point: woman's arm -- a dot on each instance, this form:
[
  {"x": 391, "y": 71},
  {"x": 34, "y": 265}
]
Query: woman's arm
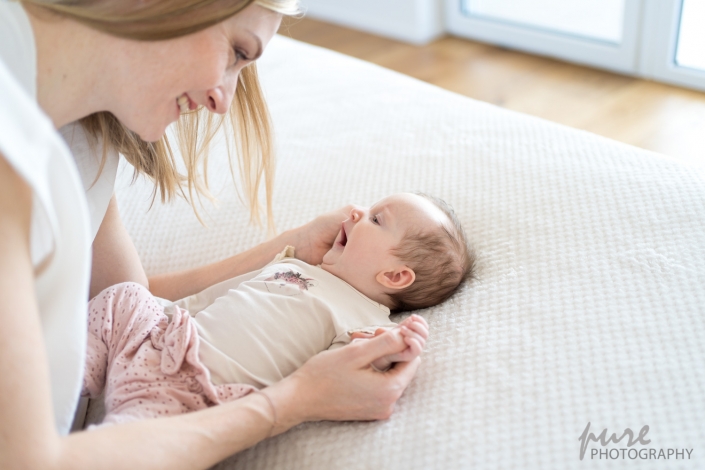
[
  {"x": 311, "y": 241},
  {"x": 333, "y": 385},
  {"x": 115, "y": 258},
  {"x": 28, "y": 438},
  {"x": 336, "y": 385}
]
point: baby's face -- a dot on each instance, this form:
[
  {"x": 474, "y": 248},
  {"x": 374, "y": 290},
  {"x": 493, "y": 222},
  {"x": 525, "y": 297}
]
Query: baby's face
[{"x": 363, "y": 246}]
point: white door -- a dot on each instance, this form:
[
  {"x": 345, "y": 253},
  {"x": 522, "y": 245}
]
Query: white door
[
  {"x": 660, "y": 39},
  {"x": 674, "y": 48}
]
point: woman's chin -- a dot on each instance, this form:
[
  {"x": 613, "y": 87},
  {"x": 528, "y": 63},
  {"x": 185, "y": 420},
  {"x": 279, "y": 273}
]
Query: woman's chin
[
  {"x": 148, "y": 129},
  {"x": 152, "y": 135}
]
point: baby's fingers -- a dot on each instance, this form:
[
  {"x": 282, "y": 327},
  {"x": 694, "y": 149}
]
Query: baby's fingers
[
  {"x": 411, "y": 319},
  {"x": 419, "y": 328},
  {"x": 408, "y": 334},
  {"x": 419, "y": 319},
  {"x": 412, "y": 351}
]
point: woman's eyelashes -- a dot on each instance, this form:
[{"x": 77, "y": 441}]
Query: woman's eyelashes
[{"x": 239, "y": 56}]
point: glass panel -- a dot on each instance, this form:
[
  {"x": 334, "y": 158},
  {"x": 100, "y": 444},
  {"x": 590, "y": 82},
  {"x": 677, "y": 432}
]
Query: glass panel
[
  {"x": 595, "y": 19},
  {"x": 691, "y": 36}
]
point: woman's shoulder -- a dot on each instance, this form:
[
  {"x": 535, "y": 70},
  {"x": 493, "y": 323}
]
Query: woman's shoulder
[
  {"x": 17, "y": 48},
  {"x": 38, "y": 154},
  {"x": 28, "y": 138}
]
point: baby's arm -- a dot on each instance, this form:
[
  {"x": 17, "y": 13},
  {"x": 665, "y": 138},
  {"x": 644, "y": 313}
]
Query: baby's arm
[{"x": 411, "y": 335}]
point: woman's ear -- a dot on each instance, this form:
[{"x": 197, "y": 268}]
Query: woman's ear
[{"x": 397, "y": 278}]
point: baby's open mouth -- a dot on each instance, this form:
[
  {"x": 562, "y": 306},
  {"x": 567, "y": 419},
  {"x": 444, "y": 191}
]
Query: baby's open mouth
[{"x": 343, "y": 237}]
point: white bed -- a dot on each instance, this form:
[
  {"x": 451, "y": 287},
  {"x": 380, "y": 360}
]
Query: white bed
[{"x": 590, "y": 302}]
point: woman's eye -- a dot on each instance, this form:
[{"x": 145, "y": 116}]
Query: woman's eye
[{"x": 239, "y": 56}]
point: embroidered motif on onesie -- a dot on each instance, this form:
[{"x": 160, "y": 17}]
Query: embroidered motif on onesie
[{"x": 292, "y": 277}]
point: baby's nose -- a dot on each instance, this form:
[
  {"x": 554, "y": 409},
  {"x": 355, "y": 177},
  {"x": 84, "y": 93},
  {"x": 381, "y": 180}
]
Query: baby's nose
[{"x": 355, "y": 215}]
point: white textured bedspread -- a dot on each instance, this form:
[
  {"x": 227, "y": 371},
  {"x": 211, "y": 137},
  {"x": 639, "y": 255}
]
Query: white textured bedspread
[{"x": 590, "y": 302}]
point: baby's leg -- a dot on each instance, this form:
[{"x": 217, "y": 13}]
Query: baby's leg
[
  {"x": 146, "y": 392},
  {"x": 96, "y": 350},
  {"x": 162, "y": 375},
  {"x": 119, "y": 319}
]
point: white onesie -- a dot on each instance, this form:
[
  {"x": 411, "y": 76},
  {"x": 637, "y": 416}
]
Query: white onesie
[{"x": 259, "y": 327}]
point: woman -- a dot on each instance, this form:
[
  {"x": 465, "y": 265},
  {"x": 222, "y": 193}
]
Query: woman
[{"x": 126, "y": 70}]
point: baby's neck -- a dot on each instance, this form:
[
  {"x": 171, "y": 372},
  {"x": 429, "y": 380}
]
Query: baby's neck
[{"x": 372, "y": 292}]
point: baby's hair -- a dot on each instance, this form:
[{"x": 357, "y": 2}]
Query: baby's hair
[{"x": 440, "y": 257}]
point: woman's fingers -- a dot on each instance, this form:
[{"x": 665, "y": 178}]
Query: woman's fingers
[
  {"x": 361, "y": 335},
  {"x": 333, "y": 384},
  {"x": 379, "y": 346},
  {"x": 414, "y": 344},
  {"x": 313, "y": 239},
  {"x": 415, "y": 347},
  {"x": 403, "y": 372},
  {"x": 402, "y": 344}
]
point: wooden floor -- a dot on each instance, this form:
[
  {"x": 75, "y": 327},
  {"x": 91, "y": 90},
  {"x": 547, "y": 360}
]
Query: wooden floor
[{"x": 647, "y": 114}]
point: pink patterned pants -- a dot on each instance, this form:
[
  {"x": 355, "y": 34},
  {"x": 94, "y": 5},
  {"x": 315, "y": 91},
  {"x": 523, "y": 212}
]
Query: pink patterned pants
[{"x": 148, "y": 365}]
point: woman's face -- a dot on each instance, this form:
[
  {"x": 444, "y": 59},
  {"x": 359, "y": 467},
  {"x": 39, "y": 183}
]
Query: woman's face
[{"x": 204, "y": 67}]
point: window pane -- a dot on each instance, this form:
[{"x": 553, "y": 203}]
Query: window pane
[
  {"x": 691, "y": 37},
  {"x": 595, "y": 19}
]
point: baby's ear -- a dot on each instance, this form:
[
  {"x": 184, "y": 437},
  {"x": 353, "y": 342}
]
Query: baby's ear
[{"x": 398, "y": 278}]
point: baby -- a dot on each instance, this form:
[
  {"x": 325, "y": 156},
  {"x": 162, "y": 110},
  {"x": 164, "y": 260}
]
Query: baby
[{"x": 406, "y": 252}]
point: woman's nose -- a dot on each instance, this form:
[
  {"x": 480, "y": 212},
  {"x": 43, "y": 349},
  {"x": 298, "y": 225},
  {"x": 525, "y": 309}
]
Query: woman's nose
[
  {"x": 219, "y": 99},
  {"x": 215, "y": 101}
]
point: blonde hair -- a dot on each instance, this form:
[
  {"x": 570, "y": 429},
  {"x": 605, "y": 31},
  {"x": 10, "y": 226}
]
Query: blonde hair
[{"x": 248, "y": 116}]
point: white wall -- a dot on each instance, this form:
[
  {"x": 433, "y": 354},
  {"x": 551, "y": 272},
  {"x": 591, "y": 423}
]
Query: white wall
[{"x": 415, "y": 21}]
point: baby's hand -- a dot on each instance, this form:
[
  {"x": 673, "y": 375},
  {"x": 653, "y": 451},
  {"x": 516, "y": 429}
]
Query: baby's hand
[
  {"x": 411, "y": 334},
  {"x": 414, "y": 332}
]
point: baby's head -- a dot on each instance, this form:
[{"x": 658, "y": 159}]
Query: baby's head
[{"x": 407, "y": 251}]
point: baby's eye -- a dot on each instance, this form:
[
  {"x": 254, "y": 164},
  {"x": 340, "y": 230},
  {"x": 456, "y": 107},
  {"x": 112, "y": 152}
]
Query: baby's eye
[{"x": 375, "y": 219}]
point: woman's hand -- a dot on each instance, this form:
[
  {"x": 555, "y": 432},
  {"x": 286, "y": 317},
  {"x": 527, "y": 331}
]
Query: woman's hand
[
  {"x": 314, "y": 239},
  {"x": 340, "y": 385},
  {"x": 411, "y": 334}
]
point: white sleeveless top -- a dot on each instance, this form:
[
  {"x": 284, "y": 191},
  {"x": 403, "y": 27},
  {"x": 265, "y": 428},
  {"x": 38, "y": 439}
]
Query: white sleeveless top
[{"x": 66, "y": 210}]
